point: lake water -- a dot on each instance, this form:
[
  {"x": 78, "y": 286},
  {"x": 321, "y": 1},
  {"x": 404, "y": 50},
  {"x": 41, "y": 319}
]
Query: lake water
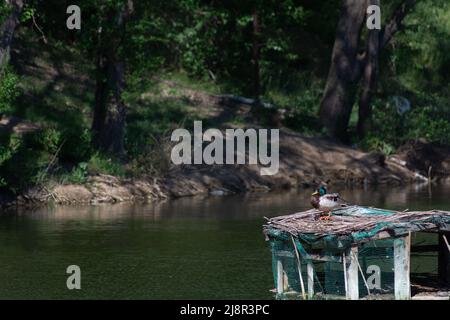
[{"x": 190, "y": 248}]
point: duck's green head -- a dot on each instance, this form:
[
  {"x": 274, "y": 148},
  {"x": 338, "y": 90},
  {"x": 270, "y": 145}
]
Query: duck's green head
[{"x": 321, "y": 191}]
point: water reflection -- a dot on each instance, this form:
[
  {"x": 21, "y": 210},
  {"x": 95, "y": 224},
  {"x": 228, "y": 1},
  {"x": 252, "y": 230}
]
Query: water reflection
[
  {"x": 251, "y": 205},
  {"x": 191, "y": 248}
]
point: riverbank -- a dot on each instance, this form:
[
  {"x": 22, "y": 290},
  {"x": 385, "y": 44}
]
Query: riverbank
[
  {"x": 57, "y": 101},
  {"x": 304, "y": 162}
]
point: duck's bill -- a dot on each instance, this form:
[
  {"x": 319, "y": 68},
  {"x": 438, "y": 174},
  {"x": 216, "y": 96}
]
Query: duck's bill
[{"x": 315, "y": 194}]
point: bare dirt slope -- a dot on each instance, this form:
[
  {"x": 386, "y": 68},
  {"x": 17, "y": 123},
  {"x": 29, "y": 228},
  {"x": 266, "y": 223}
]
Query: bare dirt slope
[{"x": 304, "y": 161}]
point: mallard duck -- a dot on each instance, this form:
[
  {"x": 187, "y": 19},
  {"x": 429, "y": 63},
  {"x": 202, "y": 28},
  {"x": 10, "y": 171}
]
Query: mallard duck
[{"x": 321, "y": 200}]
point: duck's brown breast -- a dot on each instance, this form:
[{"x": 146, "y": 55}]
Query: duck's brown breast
[{"x": 315, "y": 202}]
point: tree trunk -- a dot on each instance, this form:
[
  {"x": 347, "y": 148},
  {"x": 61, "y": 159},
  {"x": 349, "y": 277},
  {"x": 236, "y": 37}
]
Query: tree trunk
[
  {"x": 369, "y": 79},
  {"x": 376, "y": 41},
  {"x": 256, "y": 56},
  {"x": 395, "y": 23},
  {"x": 7, "y": 30},
  {"x": 101, "y": 91},
  {"x": 338, "y": 98},
  {"x": 109, "y": 113},
  {"x": 113, "y": 133},
  {"x": 108, "y": 125},
  {"x": 347, "y": 67}
]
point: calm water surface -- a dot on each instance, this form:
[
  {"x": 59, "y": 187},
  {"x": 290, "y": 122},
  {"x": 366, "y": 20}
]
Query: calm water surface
[{"x": 191, "y": 248}]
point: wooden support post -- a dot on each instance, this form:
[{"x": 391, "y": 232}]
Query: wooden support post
[
  {"x": 351, "y": 267},
  {"x": 299, "y": 268},
  {"x": 280, "y": 276},
  {"x": 402, "y": 285},
  {"x": 310, "y": 271},
  {"x": 444, "y": 258},
  {"x": 285, "y": 282}
]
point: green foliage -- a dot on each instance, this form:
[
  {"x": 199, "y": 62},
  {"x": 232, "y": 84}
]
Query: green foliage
[
  {"x": 428, "y": 123},
  {"x": 143, "y": 129},
  {"x": 428, "y": 119},
  {"x": 78, "y": 175},
  {"x": 9, "y": 145},
  {"x": 77, "y": 145},
  {"x": 28, "y": 13},
  {"x": 26, "y": 159},
  {"x": 154, "y": 161},
  {"x": 415, "y": 66},
  {"x": 5, "y": 10},
  {"x": 103, "y": 164},
  {"x": 206, "y": 46},
  {"x": 8, "y": 89},
  {"x": 97, "y": 164},
  {"x": 420, "y": 58},
  {"x": 302, "y": 106},
  {"x": 375, "y": 143}
]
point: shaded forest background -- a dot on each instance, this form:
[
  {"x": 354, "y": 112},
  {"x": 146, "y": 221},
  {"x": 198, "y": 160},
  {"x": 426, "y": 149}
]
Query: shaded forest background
[{"x": 104, "y": 99}]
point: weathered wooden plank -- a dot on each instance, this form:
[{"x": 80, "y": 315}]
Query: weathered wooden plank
[
  {"x": 344, "y": 264},
  {"x": 285, "y": 253},
  {"x": 444, "y": 258},
  {"x": 402, "y": 285},
  {"x": 285, "y": 282},
  {"x": 321, "y": 257},
  {"x": 299, "y": 268},
  {"x": 429, "y": 297},
  {"x": 280, "y": 277},
  {"x": 351, "y": 267},
  {"x": 310, "y": 272},
  {"x": 379, "y": 236}
]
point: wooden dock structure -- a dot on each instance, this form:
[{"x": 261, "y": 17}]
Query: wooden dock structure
[{"x": 364, "y": 252}]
